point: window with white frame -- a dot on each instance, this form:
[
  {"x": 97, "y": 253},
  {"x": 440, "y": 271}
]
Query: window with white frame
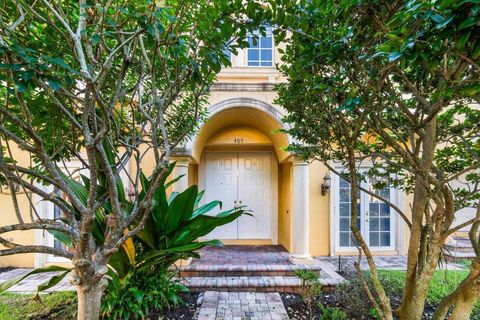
[
  {"x": 374, "y": 218},
  {"x": 347, "y": 238},
  {"x": 260, "y": 50}
]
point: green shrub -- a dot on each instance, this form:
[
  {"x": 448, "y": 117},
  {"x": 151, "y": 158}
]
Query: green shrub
[
  {"x": 351, "y": 296},
  {"x": 137, "y": 295},
  {"x": 138, "y": 274},
  {"x": 310, "y": 289},
  {"x": 330, "y": 313}
]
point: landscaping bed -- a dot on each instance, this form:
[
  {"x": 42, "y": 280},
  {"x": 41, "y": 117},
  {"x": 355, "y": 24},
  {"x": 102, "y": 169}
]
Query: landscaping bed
[
  {"x": 63, "y": 306},
  {"x": 349, "y": 301},
  {"x": 188, "y": 310}
]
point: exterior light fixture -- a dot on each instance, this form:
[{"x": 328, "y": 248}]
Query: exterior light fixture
[{"x": 327, "y": 181}]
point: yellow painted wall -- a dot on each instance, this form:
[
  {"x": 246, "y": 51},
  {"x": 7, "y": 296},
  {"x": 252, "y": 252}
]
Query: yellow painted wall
[
  {"x": 284, "y": 205},
  {"x": 241, "y": 117},
  {"x": 8, "y": 217},
  {"x": 192, "y": 174},
  {"x": 238, "y": 135},
  {"x": 319, "y": 212}
]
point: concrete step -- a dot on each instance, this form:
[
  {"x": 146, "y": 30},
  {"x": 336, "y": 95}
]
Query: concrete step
[
  {"x": 229, "y": 270},
  {"x": 251, "y": 284}
]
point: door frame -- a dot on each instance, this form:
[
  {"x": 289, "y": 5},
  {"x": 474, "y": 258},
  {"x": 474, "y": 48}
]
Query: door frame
[
  {"x": 202, "y": 179},
  {"x": 396, "y": 226},
  {"x": 45, "y": 210}
]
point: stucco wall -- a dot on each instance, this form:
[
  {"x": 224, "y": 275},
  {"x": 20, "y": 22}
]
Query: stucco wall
[
  {"x": 8, "y": 217},
  {"x": 319, "y": 212}
]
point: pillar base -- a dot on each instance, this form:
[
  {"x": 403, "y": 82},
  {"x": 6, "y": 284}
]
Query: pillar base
[{"x": 305, "y": 260}]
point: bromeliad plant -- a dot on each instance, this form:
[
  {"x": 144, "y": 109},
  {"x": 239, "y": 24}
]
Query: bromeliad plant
[{"x": 170, "y": 232}]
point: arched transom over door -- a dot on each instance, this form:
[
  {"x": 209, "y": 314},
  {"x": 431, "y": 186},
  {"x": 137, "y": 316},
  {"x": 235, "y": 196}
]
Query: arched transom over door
[{"x": 241, "y": 179}]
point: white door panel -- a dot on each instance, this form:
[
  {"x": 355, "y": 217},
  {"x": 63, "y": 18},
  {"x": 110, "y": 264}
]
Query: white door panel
[
  {"x": 242, "y": 179},
  {"x": 254, "y": 192},
  {"x": 221, "y": 175}
]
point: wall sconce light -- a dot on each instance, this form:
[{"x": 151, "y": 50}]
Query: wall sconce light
[{"x": 327, "y": 181}]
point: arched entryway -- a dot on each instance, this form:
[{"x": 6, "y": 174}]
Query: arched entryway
[
  {"x": 239, "y": 151},
  {"x": 238, "y": 156}
]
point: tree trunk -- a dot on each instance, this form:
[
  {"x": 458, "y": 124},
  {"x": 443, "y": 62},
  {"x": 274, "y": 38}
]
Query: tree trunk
[
  {"x": 464, "y": 297},
  {"x": 413, "y": 301},
  {"x": 419, "y": 274},
  {"x": 89, "y": 299}
]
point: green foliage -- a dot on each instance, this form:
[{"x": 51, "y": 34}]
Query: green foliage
[
  {"x": 57, "y": 305},
  {"x": 330, "y": 313},
  {"x": 185, "y": 40},
  {"x": 356, "y": 67},
  {"x": 311, "y": 287},
  {"x": 351, "y": 296},
  {"x": 140, "y": 293},
  {"x": 443, "y": 283},
  {"x": 171, "y": 232}
]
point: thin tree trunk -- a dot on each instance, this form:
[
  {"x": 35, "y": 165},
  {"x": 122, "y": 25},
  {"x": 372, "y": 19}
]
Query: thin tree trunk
[
  {"x": 385, "y": 310},
  {"x": 419, "y": 274},
  {"x": 89, "y": 299}
]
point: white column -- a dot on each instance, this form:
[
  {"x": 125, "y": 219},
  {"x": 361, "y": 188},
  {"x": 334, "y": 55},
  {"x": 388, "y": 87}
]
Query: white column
[
  {"x": 181, "y": 169},
  {"x": 301, "y": 212}
]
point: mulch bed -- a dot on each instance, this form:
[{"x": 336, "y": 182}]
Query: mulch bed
[
  {"x": 188, "y": 310},
  {"x": 297, "y": 308}
]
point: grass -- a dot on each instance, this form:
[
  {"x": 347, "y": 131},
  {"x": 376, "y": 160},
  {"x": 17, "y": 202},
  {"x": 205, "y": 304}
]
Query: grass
[
  {"x": 465, "y": 262},
  {"x": 58, "y": 306},
  {"x": 443, "y": 283}
]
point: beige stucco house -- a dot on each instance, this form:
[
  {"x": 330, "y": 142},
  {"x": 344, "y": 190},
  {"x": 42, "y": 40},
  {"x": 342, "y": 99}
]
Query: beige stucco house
[{"x": 238, "y": 157}]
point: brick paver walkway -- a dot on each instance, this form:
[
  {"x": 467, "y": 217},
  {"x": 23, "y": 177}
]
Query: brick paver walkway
[
  {"x": 382, "y": 262},
  {"x": 242, "y": 306},
  {"x": 31, "y": 283},
  {"x": 242, "y": 255},
  {"x": 229, "y": 268}
]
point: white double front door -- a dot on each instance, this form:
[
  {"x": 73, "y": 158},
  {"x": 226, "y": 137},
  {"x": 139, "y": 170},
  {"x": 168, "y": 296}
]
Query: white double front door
[{"x": 241, "y": 179}]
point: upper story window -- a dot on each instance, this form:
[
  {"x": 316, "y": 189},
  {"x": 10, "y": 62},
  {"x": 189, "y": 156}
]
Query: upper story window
[{"x": 260, "y": 51}]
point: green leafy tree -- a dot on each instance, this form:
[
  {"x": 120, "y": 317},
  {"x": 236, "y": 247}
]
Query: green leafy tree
[
  {"x": 83, "y": 77},
  {"x": 394, "y": 86}
]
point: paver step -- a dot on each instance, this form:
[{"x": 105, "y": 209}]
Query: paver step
[
  {"x": 251, "y": 284},
  {"x": 244, "y": 270},
  {"x": 459, "y": 255},
  {"x": 242, "y": 305},
  {"x": 459, "y": 247}
]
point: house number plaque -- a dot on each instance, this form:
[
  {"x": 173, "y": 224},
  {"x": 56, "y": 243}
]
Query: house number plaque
[{"x": 238, "y": 140}]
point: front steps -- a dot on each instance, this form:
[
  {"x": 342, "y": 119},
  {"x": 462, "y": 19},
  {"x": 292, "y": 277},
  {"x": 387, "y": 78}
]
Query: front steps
[
  {"x": 227, "y": 270},
  {"x": 253, "y": 277},
  {"x": 459, "y": 249}
]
